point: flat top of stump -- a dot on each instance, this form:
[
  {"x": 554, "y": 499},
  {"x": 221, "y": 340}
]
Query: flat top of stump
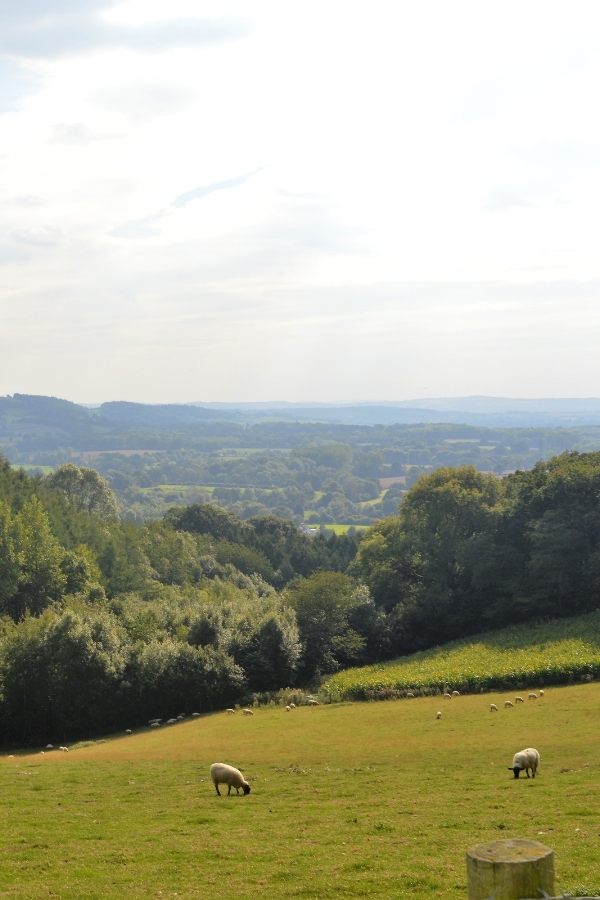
[{"x": 515, "y": 850}]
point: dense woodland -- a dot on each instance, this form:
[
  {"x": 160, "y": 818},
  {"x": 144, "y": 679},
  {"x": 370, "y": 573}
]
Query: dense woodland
[{"x": 106, "y": 623}]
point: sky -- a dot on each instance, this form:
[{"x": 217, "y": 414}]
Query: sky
[{"x": 334, "y": 201}]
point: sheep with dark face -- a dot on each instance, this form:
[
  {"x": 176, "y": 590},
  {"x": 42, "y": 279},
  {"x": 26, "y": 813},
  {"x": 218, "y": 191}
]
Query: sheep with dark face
[
  {"x": 221, "y": 773},
  {"x": 525, "y": 759}
]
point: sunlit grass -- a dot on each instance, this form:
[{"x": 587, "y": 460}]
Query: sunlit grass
[
  {"x": 348, "y": 800},
  {"x": 556, "y": 652}
]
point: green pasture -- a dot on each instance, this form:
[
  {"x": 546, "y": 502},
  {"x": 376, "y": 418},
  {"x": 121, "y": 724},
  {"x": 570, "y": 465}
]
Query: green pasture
[{"x": 348, "y": 800}]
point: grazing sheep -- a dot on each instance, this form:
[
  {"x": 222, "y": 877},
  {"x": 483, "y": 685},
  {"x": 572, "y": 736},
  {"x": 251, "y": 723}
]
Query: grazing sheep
[
  {"x": 64, "y": 749},
  {"x": 519, "y": 700},
  {"x": 195, "y": 715},
  {"x": 447, "y": 695},
  {"x": 493, "y": 707},
  {"x": 49, "y": 746},
  {"x": 128, "y": 731},
  {"x": 230, "y": 711},
  {"x": 248, "y": 712},
  {"x": 289, "y": 708},
  {"x": 171, "y": 721},
  {"x": 438, "y": 715},
  {"x": 312, "y": 702},
  {"x": 221, "y": 773},
  {"x": 292, "y": 706},
  {"x": 155, "y": 725},
  {"x": 541, "y": 693},
  {"x": 532, "y": 696},
  {"x": 456, "y": 693},
  {"x": 525, "y": 759},
  {"x": 409, "y": 694},
  {"x": 508, "y": 704},
  {"x": 154, "y": 721}
]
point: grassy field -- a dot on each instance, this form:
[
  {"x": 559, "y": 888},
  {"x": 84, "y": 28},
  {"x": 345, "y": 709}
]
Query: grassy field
[{"x": 348, "y": 800}]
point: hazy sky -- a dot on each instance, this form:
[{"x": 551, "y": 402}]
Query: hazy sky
[{"x": 301, "y": 200}]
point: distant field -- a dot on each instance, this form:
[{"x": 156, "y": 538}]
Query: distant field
[
  {"x": 342, "y": 528},
  {"x": 348, "y": 800}
]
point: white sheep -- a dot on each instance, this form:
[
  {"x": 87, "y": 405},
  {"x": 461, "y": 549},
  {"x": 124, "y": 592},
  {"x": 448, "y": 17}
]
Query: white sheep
[
  {"x": 519, "y": 700},
  {"x": 64, "y": 749},
  {"x": 493, "y": 707},
  {"x": 409, "y": 694},
  {"x": 456, "y": 693},
  {"x": 221, "y": 773},
  {"x": 289, "y": 708},
  {"x": 292, "y": 706},
  {"x": 438, "y": 714},
  {"x": 230, "y": 712},
  {"x": 541, "y": 693},
  {"x": 312, "y": 702},
  {"x": 447, "y": 696},
  {"x": 525, "y": 759},
  {"x": 532, "y": 696},
  {"x": 508, "y": 704},
  {"x": 155, "y": 725},
  {"x": 247, "y": 712}
]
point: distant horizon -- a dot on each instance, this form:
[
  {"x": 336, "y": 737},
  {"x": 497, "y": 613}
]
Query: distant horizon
[{"x": 439, "y": 398}]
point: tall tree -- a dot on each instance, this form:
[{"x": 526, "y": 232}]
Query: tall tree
[{"x": 87, "y": 490}]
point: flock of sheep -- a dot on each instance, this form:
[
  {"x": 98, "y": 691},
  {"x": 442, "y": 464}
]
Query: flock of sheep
[{"x": 526, "y": 760}]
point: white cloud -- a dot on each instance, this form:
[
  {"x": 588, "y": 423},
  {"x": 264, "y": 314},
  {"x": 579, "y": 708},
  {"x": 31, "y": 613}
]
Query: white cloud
[{"x": 350, "y": 201}]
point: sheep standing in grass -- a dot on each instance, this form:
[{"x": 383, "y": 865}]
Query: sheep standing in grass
[
  {"x": 247, "y": 712},
  {"x": 525, "y": 759},
  {"x": 493, "y": 707},
  {"x": 221, "y": 773},
  {"x": 508, "y": 704}
]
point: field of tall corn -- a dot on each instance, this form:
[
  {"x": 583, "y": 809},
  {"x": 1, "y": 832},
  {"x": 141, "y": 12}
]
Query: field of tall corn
[{"x": 559, "y": 651}]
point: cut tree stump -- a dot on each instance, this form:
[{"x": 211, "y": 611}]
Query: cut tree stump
[{"x": 509, "y": 870}]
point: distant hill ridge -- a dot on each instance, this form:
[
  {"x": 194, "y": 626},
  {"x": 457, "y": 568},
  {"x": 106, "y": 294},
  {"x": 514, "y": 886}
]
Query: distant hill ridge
[{"x": 22, "y": 414}]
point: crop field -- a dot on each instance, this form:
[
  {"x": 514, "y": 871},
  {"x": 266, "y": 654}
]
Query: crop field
[
  {"x": 557, "y": 651},
  {"x": 348, "y": 800}
]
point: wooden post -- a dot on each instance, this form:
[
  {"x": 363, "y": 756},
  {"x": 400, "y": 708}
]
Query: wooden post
[{"x": 509, "y": 870}]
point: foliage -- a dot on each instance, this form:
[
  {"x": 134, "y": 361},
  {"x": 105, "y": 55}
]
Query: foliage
[
  {"x": 469, "y": 551},
  {"x": 85, "y": 489},
  {"x": 60, "y": 674},
  {"x": 336, "y": 621}
]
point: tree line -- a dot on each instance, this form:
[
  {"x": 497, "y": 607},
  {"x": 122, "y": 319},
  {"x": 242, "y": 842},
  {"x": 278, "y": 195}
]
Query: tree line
[{"x": 105, "y": 623}]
